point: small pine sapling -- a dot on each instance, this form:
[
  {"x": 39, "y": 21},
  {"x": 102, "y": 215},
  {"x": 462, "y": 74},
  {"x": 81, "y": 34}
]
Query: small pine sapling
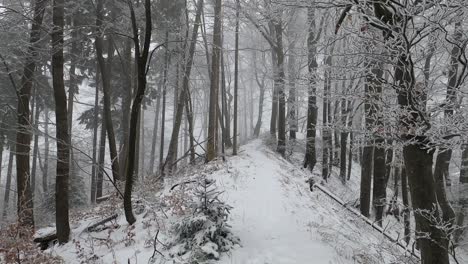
[{"x": 205, "y": 234}]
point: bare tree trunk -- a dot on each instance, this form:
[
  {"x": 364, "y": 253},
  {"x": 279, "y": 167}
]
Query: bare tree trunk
[
  {"x": 225, "y": 106},
  {"x": 45, "y": 174},
  {"x": 214, "y": 86},
  {"x": 441, "y": 171},
  {"x": 281, "y": 87},
  {"x": 105, "y": 68},
  {"x": 126, "y": 104},
  {"x": 406, "y": 206},
  {"x": 371, "y": 86},
  {"x": 351, "y": 146},
  {"x": 102, "y": 154},
  {"x": 61, "y": 121},
  {"x": 72, "y": 89},
  {"x": 292, "y": 74},
  {"x": 2, "y": 134},
  {"x": 163, "y": 114},
  {"x": 182, "y": 100},
  {"x": 275, "y": 101},
  {"x": 95, "y": 167},
  {"x": 23, "y": 135},
  {"x": 6, "y": 198},
  {"x": 36, "y": 145},
  {"x": 326, "y": 118},
  {"x": 236, "y": 80},
  {"x": 155, "y": 131},
  {"x": 418, "y": 163},
  {"x": 141, "y": 60},
  {"x": 310, "y": 158},
  {"x": 343, "y": 137}
]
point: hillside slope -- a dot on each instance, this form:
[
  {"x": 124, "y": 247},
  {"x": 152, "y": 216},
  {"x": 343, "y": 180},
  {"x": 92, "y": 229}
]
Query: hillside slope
[{"x": 276, "y": 217}]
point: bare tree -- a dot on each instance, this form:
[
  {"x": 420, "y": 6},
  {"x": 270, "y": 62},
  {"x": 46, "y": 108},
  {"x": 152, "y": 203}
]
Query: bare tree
[
  {"x": 141, "y": 61},
  {"x": 23, "y": 136},
  {"x": 61, "y": 120}
]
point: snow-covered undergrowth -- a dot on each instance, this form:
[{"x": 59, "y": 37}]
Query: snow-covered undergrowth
[{"x": 275, "y": 216}]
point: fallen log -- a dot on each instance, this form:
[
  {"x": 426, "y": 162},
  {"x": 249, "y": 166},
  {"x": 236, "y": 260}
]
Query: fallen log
[
  {"x": 45, "y": 241},
  {"x": 93, "y": 227},
  {"x": 102, "y": 199}
]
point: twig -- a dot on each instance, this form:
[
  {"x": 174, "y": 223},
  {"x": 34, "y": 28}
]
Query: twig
[{"x": 154, "y": 247}]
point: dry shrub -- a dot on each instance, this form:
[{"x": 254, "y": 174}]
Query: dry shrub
[{"x": 16, "y": 246}]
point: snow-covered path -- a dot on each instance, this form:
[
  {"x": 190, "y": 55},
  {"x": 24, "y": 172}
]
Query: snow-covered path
[{"x": 271, "y": 226}]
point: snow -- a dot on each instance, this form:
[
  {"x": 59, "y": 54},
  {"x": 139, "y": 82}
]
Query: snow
[{"x": 276, "y": 217}]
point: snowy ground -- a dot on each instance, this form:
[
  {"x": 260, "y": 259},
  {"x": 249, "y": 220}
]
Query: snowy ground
[{"x": 276, "y": 217}]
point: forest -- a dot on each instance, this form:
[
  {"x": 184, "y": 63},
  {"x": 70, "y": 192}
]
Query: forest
[{"x": 235, "y": 131}]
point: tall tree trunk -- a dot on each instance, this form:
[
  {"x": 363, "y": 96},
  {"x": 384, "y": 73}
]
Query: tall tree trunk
[
  {"x": 312, "y": 111},
  {"x": 261, "y": 98},
  {"x": 406, "y": 206},
  {"x": 105, "y": 68},
  {"x": 463, "y": 190},
  {"x": 163, "y": 114},
  {"x": 126, "y": 103},
  {"x": 61, "y": 121},
  {"x": 225, "y": 106},
  {"x": 6, "y": 198},
  {"x": 236, "y": 80},
  {"x": 372, "y": 86},
  {"x": 441, "y": 171},
  {"x": 214, "y": 84},
  {"x": 45, "y": 173},
  {"x": 141, "y": 60},
  {"x": 292, "y": 74},
  {"x": 182, "y": 100},
  {"x": 95, "y": 167},
  {"x": 2, "y": 144},
  {"x": 101, "y": 158},
  {"x": 275, "y": 99},
  {"x": 326, "y": 118},
  {"x": 72, "y": 90},
  {"x": 350, "y": 154},
  {"x": 418, "y": 164},
  {"x": 343, "y": 138},
  {"x": 281, "y": 87},
  {"x": 155, "y": 131},
  {"x": 36, "y": 145},
  {"x": 23, "y": 135}
]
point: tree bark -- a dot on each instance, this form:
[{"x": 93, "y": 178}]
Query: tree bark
[
  {"x": 23, "y": 135},
  {"x": 292, "y": 74},
  {"x": 214, "y": 84},
  {"x": 281, "y": 148},
  {"x": 141, "y": 60},
  {"x": 36, "y": 144},
  {"x": 126, "y": 103},
  {"x": 6, "y": 198},
  {"x": 155, "y": 131},
  {"x": 163, "y": 114},
  {"x": 372, "y": 90},
  {"x": 95, "y": 167},
  {"x": 105, "y": 67},
  {"x": 184, "y": 94},
  {"x": 45, "y": 174},
  {"x": 236, "y": 82},
  {"x": 326, "y": 119},
  {"x": 406, "y": 206},
  {"x": 61, "y": 121},
  {"x": 312, "y": 110},
  {"x": 102, "y": 153}
]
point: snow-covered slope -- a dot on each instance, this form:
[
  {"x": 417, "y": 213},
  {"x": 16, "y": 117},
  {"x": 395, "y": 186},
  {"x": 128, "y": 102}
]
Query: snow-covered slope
[
  {"x": 276, "y": 217},
  {"x": 280, "y": 221}
]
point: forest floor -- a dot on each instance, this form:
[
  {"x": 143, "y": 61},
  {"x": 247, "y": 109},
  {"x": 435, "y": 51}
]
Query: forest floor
[{"x": 275, "y": 215}]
